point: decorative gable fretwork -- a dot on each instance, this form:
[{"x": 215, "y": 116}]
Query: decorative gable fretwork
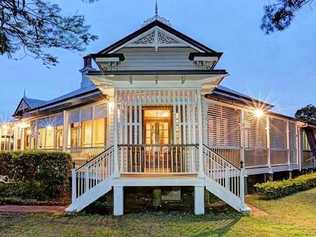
[
  {"x": 156, "y": 38},
  {"x": 145, "y": 40}
]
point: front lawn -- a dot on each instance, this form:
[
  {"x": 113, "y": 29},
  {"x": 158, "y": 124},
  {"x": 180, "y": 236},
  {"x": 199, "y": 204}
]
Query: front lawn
[{"x": 294, "y": 215}]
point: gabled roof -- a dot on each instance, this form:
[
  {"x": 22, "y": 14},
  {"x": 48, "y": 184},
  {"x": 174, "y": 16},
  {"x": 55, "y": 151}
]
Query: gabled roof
[
  {"x": 157, "y": 23},
  {"x": 28, "y": 104}
]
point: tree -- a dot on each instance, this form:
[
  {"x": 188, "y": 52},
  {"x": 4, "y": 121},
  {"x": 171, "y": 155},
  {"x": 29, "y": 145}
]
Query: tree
[
  {"x": 33, "y": 27},
  {"x": 307, "y": 114},
  {"x": 279, "y": 15}
]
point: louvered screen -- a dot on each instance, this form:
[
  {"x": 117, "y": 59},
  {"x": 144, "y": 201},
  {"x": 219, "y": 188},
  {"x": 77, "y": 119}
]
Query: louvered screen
[
  {"x": 223, "y": 132},
  {"x": 278, "y": 141},
  {"x": 255, "y": 140},
  {"x": 223, "y": 126}
]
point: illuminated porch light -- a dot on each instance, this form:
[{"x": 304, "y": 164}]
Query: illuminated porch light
[{"x": 258, "y": 113}]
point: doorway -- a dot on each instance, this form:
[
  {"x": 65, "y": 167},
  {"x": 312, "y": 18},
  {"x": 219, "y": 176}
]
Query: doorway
[{"x": 157, "y": 127}]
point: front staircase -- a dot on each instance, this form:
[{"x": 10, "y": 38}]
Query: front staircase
[
  {"x": 95, "y": 178},
  {"x": 224, "y": 180},
  {"x": 92, "y": 180}
]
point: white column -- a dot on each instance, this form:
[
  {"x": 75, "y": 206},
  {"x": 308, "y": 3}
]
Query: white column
[
  {"x": 268, "y": 143},
  {"x": 73, "y": 185},
  {"x": 115, "y": 143},
  {"x": 22, "y": 138},
  {"x": 199, "y": 200},
  {"x": 201, "y": 161},
  {"x": 288, "y": 144},
  {"x": 242, "y": 185},
  {"x": 65, "y": 130},
  {"x": 35, "y": 135},
  {"x": 242, "y": 137},
  {"x": 15, "y": 136},
  {"x": 299, "y": 147},
  {"x": 118, "y": 200}
]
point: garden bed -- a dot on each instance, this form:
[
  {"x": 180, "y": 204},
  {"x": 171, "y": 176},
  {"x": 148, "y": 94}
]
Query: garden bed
[{"x": 278, "y": 189}]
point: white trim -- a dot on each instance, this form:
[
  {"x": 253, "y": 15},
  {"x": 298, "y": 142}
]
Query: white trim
[{"x": 127, "y": 44}]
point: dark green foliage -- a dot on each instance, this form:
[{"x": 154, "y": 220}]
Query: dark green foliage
[
  {"x": 37, "y": 27},
  {"x": 45, "y": 172},
  {"x": 280, "y": 13},
  {"x": 28, "y": 190},
  {"x": 277, "y": 189},
  {"x": 307, "y": 114}
]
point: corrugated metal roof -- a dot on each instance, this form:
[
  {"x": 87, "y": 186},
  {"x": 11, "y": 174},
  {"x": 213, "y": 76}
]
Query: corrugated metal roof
[
  {"x": 33, "y": 103},
  {"x": 70, "y": 95}
]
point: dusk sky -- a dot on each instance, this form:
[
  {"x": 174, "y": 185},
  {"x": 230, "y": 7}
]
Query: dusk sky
[{"x": 280, "y": 67}]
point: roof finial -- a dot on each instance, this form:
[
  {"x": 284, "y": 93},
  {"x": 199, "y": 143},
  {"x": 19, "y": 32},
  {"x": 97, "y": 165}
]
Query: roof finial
[
  {"x": 156, "y": 17},
  {"x": 156, "y": 9},
  {"x": 24, "y": 93}
]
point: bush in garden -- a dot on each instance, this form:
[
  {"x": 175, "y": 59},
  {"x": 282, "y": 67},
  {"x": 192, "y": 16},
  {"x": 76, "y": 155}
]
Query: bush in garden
[
  {"x": 27, "y": 190},
  {"x": 45, "y": 172},
  {"x": 277, "y": 189}
]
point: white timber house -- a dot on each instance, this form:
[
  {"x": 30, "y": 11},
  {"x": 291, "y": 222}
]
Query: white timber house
[{"x": 150, "y": 112}]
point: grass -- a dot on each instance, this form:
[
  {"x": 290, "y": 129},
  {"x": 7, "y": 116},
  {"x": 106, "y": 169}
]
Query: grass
[{"x": 294, "y": 215}]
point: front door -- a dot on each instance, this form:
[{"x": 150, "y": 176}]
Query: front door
[{"x": 157, "y": 136}]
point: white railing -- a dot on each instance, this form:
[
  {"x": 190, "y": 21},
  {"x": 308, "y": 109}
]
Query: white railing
[
  {"x": 223, "y": 172},
  {"x": 158, "y": 159},
  {"x": 92, "y": 173}
]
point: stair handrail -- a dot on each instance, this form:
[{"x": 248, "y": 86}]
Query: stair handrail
[
  {"x": 224, "y": 173},
  {"x": 93, "y": 172},
  {"x": 94, "y": 158},
  {"x": 222, "y": 157}
]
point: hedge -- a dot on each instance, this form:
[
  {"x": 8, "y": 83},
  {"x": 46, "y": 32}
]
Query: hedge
[
  {"x": 41, "y": 172},
  {"x": 277, "y": 189}
]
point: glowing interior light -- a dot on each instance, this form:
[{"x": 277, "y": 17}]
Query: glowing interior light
[
  {"x": 49, "y": 127},
  {"x": 258, "y": 113},
  {"x": 23, "y": 125}
]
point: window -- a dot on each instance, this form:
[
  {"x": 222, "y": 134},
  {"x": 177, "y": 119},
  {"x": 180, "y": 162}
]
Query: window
[
  {"x": 46, "y": 138},
  {"x": 75, "y": 135},
  {"x": 59, "y": 137},
  {"x": 305, "y": 142},
  {"x": 27, "y": 138},
  {"x": 86, "y": 128},
  {"x": 99, "y": 131}
]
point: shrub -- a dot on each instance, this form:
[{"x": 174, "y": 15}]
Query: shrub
[
  {"x": 45, "y": 171},
  {"x": 277, "y": 189},
  {"x": 26, "y": 190}
]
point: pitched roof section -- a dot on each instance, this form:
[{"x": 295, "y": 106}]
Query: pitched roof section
[
  {"x": 72, "y": 95},
  {"x": 227, "y": 93},
  {"x": 28, "y": 104},
  {"x": 40, "y": 104},
  {"x": 157, "y": 23},
  {"x": 34, "y": 102}
]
